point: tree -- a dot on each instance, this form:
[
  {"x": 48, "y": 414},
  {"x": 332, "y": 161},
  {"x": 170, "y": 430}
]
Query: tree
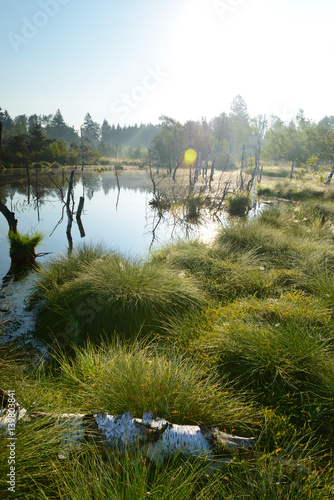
[
  {"x": 239, "y": 126},
  {"x": 238, "y": 108},
  {"x": 106, "y": 132},
  {"x": 285, "y": 143},
  {"x": 20, "y": 126},
  {"x": 91, "y": 129},
  {"x": 6, "y": 120},
  {"x": 57, "y": 129},
  {"x": 74, "y": 153},
  {"x": 17, "y": 144},
  {"x": 38, "y": 138},
  {"x": 32, "y": 121},
  {"x": 171, "y": 140},
  {"x": 58, "y": 150}
]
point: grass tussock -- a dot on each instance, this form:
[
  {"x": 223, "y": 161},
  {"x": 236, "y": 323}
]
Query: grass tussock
[
  {"x": 238, "y": 204},
  {"x": 282, "y": 360},
  {"x": 22, "y": 246},
  {"x": 143, "y": 378},
  {"x": 111, "y": 294}
]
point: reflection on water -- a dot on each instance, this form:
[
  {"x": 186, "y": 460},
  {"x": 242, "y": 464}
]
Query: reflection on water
[
  {"x": 119, "y": 217},
  {"x": 117, "y": 214}
]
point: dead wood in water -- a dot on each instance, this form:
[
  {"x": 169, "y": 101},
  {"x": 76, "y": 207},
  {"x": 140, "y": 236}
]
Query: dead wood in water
[
  {"x": 69, "y": 213},
  {"x": 10, "y": 217},
  {"x": 78, "y": 217}
]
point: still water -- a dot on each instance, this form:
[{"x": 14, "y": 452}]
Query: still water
[{"x": 116, "y": 213}]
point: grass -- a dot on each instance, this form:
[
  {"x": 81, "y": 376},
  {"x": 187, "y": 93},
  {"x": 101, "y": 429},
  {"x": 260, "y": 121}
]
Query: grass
[
  {"x": 280, "y": 171},
  {"x": 121, "y": 377},
  {"x": 295, "y": 190},
  {"x": 238, "y": 204},
  {"x": 238, "y": 334},
  {"x": 108, "y": 294},
  {"x": 22, "y": 246}
]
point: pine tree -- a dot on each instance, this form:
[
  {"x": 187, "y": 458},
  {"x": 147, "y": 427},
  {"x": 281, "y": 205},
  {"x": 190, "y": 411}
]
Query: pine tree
[
  {"x": 238, "y": 108},
  {"x": 106, "y": 132},
  {"x": 91, "y": 129},
  {"x": 38, "y": 137}
]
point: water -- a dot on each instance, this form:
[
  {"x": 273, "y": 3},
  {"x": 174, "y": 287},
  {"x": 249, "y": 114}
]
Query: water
[{"x": 120, "y": 218}]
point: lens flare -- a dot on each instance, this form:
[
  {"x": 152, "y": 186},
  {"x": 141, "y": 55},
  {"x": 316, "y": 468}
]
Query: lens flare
[{"x": 190, "y": 157}]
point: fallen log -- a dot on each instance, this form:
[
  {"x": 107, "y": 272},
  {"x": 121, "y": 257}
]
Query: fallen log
[{"x": 157, "y": 437}]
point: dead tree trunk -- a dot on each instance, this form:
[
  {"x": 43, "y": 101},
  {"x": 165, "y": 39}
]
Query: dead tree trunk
[
  {"x": 118, "y": 190},
  {"x": 330, "y": 175},
  {"x": 178, "y": 163},
  {"x": 37, "y": 198},
  {"x": 10, "y": 217},
  {"x": 242, "y": 168},
  {"x": 78, "y": 217},
  {"x": 28, "y": 178},
  {"x": 69, "y": 213},
  {"x": 158, "y": 161},
  {"x": 157, "y": 437},
  {"x": 262, "y": 126},
  {"x": 83, "y": 154},
  {"x": 291, "y": 171}
]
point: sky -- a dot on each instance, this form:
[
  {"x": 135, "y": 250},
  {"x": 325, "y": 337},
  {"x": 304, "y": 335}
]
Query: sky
[{"x": 131, "y": 61}]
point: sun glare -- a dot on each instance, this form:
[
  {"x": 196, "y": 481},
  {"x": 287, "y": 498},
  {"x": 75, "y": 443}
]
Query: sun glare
[{"x": 190, "y": 157}]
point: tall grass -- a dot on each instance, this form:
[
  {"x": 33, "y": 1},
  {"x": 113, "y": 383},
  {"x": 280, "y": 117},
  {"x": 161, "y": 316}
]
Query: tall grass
[
  {"x": 139, "y": 378},
  {"x": 276, "y": 476},
  {"x": 111, "y": 294},
  {"x": 224, "y": 273},
  {"x": 62, "y": 268},
  {"x": 285, "y": 363},
  {"x": 291, "y": 245}
]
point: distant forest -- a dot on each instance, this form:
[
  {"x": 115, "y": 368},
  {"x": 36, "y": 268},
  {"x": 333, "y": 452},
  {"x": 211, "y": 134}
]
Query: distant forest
[
  {"x": 48, "y": 138},
  {"x": 227, "y": 141}
]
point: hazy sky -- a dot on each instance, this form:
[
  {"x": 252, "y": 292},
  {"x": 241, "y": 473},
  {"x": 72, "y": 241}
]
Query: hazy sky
[{"x": 131, "y": 61}]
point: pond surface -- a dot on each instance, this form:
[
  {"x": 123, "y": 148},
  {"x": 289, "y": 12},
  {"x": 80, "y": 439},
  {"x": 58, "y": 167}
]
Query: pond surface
[{"x": 116, "y": 213}]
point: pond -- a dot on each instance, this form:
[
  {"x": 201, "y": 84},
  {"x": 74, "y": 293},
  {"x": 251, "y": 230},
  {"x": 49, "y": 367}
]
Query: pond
[{"x": 116, "y": 213}]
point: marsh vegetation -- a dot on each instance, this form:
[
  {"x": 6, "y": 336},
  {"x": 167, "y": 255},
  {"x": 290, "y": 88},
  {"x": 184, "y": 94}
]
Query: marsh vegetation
[{"x": 237, "y": 334}]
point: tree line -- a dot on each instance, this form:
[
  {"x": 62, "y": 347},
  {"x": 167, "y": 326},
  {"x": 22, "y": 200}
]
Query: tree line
[
  {"x": 227, "y": 141},
  {"x": 235, "y": 139},
  {"x": 48, "y": 138}
]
